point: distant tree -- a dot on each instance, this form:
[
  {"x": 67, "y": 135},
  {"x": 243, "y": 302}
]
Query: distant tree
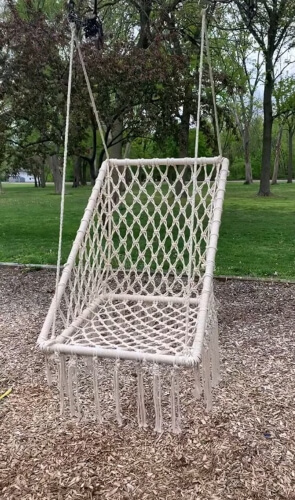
[
  {"x": 272, "y": 26},
  {"x": 284, "y": 94},
  {"x": 271, "y": 23},
  {"x": 32, "y": 82},
  {"x": 238, "y": 57},
  {"x": 135, "y": 88}
]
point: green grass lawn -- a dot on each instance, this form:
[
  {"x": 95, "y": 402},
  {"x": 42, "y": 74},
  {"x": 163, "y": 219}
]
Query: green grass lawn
[{"x": 257, "y": 234}]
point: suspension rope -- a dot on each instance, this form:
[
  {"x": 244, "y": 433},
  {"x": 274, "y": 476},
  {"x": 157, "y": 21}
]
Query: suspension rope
[
  {"x": 66, "y": 142},
  {"x": 194, "y": 173},
  {"x": 92, "y": 99},
  {"x": 201, "y": 65},
  {"x": 213, "y": 91},
  {"x": 204, "y": 41}
]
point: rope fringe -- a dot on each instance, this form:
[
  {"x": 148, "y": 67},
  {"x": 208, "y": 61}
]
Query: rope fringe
[
  {"x": 141, "y": 411},
  {"x": 175, "y": 406},
  {"x": 117, "y": 392},
  {"x": 77, "y": 387},
  {"x": 215, "y": 354},
  {"x": 198, "y": 385},
  {"x": 62, "y": 382},
  {"x": 68, "y": 385},
  {"x": 97, "y": 401},
  {"x": 71, "y": 380},
  {"x": 157, "y": 398},
  {"x": 207, "y": 378},
  {"x": 48, "y": 371}
]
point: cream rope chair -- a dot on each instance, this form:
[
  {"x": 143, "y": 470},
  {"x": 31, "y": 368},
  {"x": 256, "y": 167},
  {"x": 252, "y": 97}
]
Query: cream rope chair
[{"x": 138, "y": 283}]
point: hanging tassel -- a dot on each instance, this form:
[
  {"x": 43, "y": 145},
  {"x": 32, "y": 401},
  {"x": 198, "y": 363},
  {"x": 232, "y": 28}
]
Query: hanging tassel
[
  {"x": 71, "y": 380},
  {"x": 175, "y": 407},
  {"x": 157, "y": 398},
  {"x": 48, "y": 371},
  {"x": 117, "y": 392},
  {"x": 77, "y": 388},
  {"x": 63, "y": 372},
  {"x": 96, "y": 392},
  {"x": 198, "y": 385},
  {"x": 141, "y": 412},
  {"x": 62, "y": 381},
  {"x": 207, "y": 378},
  {"x": 89, "y": 364},
  {"x": 215, "y": 354}
]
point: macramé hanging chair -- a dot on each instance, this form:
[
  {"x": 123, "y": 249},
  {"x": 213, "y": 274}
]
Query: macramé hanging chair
[{"x": 138, "y": 283}]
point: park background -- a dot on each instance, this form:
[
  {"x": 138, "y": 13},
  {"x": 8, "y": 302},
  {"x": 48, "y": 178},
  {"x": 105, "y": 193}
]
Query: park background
[{"x": 144, "y": 77}]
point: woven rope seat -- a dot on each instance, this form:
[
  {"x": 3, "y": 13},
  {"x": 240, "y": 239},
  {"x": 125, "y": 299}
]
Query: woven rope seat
[{"x": 135, "y": 280}]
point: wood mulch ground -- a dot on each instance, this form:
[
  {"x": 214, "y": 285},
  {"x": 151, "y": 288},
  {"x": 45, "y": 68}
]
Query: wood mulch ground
[{"x": 244, "y": 449}]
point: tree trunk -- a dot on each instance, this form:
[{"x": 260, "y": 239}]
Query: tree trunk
[
  {"x": 92, "y": 172},
  {"x": 116, "y": 150},
  {"x": 42, "y": 176},
  {"x": 83, "y": 173},
  {"x": 35, "y": 180},
  {"x": 277, "y": 157},
  {"x": 145, "y": 8},
  {"x": 264, "y": 188},
  {"x": 95, "y": 165},
  {"x": 94, "y": 143},
  {"x": 128, "y": 177},
  {"x": 117, "y": 136},
  {"x": 54, "y": 164},
  {"x": 77, "y": 172},
  {"x": 290, "y": 155},
  {"x": 248, "y": 168},
  {"x": 101, "y": 157},
  {"x": 1, "y": 188}
]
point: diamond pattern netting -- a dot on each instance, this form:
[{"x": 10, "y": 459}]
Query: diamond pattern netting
[
  {"x": 135, "y": 326},
  {"x": 138, "y": 272}
]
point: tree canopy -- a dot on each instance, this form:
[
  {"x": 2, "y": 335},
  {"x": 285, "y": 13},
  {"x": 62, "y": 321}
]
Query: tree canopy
[{"x": 144, "y": 78}]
